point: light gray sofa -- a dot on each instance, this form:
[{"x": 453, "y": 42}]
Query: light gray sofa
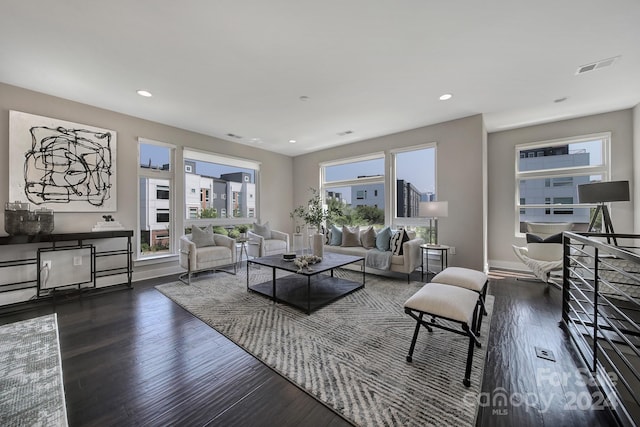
[{"x": 405, "y": 263}]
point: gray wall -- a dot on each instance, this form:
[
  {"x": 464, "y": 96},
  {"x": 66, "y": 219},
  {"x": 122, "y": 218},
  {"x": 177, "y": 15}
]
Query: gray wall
[
  {"x": 501, "y": 168},
  {"x": 276, "y": 169},
  {"x": 459, "y": 178}
]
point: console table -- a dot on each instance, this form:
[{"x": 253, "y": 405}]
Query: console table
[{"x": 68, "y": 241}]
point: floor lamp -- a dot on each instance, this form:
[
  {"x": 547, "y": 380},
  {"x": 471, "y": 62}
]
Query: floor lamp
[
  {"x": 601, "y": 193},
  {"x": 433, "y": 211}
]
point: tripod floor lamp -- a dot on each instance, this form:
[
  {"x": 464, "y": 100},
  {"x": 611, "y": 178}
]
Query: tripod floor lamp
[
  {"x": 433, "y": 211},
  {"x": 601, "y": 193}
]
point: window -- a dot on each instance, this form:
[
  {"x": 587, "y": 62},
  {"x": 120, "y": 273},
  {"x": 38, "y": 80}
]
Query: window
[
  {"x": 414, "y": 180},
  {"x": 193, "y": 213},
  {"x": 162, "y": 215},
  {"x": 155, "y": 187},
  {"x": 162, "y": 192},
  {"x": 547, "y": 183},
  {"x": 216, "y": 177},
  {"x": 188, "y": 168},
  {"x": 345, "y": 181}
]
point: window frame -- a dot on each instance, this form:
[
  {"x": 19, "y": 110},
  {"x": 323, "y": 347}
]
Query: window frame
[
  {"x": 324, "y": 183},
  {"x": 409, "y": 221},
  {"x": 603, "y": 170},
  {"x": 211, "y": 157},
  {"x": 159, "y": 174}
]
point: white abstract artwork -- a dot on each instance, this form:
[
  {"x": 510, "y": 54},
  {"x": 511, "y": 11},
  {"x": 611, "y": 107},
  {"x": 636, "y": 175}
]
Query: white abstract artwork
[{"x": 64, "y": 166}]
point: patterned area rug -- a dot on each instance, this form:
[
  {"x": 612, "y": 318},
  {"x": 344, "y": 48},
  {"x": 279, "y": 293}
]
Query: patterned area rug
[
  {"x": 351, "y": 354},
  {"x": 31, "y": 387}
]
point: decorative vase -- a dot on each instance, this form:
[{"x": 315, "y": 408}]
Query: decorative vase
[{"x": 318, "y": 244}]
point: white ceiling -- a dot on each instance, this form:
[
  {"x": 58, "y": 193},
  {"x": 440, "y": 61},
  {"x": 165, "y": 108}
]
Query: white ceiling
[{"x": 371, "y": 66}]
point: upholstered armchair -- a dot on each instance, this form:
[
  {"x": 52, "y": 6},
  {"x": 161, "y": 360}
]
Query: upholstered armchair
[
  {"x": 264, "y": 241},
  {"x": 204, "y": 250}
]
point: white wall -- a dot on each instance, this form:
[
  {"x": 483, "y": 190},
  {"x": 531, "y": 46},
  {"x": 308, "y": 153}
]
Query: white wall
[
  {"x": 459, "y": 178},
  {"x": 275, "y": 172},
  {"x": 501, "y": 168}
]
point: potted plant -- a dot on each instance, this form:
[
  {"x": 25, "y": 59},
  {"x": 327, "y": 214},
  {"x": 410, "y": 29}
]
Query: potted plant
[
  {"x": 315, "y": 214},
  {"x": 242, "y": 229}
]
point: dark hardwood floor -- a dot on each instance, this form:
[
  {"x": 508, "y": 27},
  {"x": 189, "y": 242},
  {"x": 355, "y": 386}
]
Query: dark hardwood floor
[{"x": 133, "y": 357}]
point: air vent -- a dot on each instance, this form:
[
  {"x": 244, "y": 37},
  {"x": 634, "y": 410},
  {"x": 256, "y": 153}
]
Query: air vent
[
  {"x": 233, "y": 135},
  {"x": 346, "y": 132},
  {"x": 596, "y": 65}
]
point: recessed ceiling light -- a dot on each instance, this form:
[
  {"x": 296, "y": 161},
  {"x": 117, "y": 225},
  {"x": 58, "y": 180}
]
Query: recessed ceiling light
[
  {"x": 145, "y": 93},
  {"x": 445, "y": 97},
  {"x": 564, "y": 98},
  {"x": 292, "y": 141},
  {"x": 304, "y": 98}
]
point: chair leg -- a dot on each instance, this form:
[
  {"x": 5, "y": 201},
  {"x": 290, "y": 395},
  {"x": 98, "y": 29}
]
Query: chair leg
[
  {"x": 467, "y": 370},
  {"x": 415, "y": 338}
]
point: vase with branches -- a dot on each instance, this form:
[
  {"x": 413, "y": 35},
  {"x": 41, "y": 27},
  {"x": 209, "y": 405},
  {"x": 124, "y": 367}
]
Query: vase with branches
[{"x": 316, "y": 214}]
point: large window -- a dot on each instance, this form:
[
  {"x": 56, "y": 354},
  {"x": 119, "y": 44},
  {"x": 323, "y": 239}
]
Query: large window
[
  {"x": 220, "y": 189},
  {"x": 548, "y": 174},
  {"x": 369, "y": 196},
  {"x": 156, "y": 177},
  {"x": 414, "y": 179},
  {"x": 357, "y": 186}
]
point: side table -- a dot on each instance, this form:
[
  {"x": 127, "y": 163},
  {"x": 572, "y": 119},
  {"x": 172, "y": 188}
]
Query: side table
[
  {"x": 243, "y": 247},
  {"x": 444, "y": 257}
]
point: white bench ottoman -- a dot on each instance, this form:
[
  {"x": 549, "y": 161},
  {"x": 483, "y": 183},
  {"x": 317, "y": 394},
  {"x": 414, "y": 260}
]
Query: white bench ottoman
[
  {"x": 447, "y": 302},
  {"x": 466, "y": 278}
]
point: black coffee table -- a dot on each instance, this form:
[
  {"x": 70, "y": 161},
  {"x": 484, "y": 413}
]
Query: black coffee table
[{"x": 308, "y": 290}]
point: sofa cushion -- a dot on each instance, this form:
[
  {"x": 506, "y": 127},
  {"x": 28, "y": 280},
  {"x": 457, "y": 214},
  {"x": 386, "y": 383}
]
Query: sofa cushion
[
  {"x": 350, "y": 236},
  {"x": 202, "y": 238},
  {"x": 397, "y": 241},
  {"x": 275, "y": 245},
  {"x": 368, "y": 238},
  {"x": 336, "y": 236},
  {"x": 213, "y": 254},
  {"x": 263, "y": 230},
  {"x": 383, "y": 238}
]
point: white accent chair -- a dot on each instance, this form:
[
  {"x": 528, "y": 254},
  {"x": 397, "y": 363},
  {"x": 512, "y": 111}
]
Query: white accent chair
[
  {"x": 259, "y": 246},
  {"x": 196, "y": 259},
  {"x": 543, "y": 258}
]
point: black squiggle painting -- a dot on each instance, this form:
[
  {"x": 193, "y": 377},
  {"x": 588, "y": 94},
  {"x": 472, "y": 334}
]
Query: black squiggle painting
[
  {"x": 65, "y": 165},
  {"x": 61, "y": 165}
]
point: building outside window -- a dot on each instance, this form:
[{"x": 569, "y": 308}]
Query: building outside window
[
  {"x": 347, "y": 181},
  {"x": 216, "y": 177},
  {"x": 547, "y": 182},
  {"x": 156, "y": 178}
]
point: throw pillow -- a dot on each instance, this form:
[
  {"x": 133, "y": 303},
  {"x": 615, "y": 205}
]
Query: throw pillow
[
  {"x": 397, "y": 241},
  {"x": 383, "y": 238},
  {"x": 262, "y": 230},
  {"x": 368, "y": 238},
  {"x": 201, "y": 237},
  {"x": 350, "y": 236},
  {"x": 336, "y": 236},
  {"x": 556, "y": 238}
]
